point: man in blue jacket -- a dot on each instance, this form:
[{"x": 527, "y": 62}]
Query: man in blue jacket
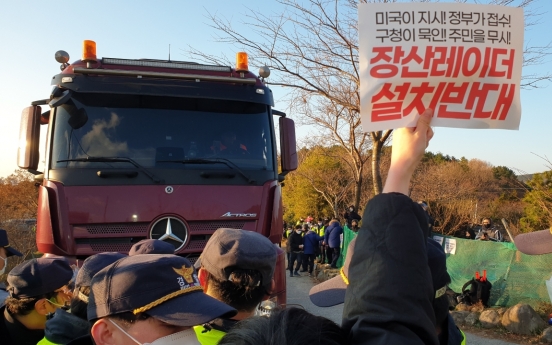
[
  {"x": 311, "y": 245},
  {"x": 332, "y": 238}
]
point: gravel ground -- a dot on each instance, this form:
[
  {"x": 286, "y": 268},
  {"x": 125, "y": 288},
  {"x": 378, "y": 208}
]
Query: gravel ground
[{"x": 298, "y": 293}]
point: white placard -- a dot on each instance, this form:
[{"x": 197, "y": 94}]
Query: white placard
[
  {"x": 462, "y": 60},
  {"x": 439, "y": 239},
  {"x": 450, "y": 246}
]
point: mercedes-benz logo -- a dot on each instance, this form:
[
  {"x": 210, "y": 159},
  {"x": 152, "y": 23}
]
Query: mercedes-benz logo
[
  {"x": 171, "y": 230},
  {"x": 169, "y": 189}
]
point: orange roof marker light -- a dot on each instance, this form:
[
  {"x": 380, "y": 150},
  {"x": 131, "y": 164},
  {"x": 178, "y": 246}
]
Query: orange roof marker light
[
  {"x": 89, "y": 52},
  {"x": 241, "y": 62}
]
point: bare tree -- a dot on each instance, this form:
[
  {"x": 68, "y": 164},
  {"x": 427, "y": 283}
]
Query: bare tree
[
  {"x": 326, "y": 172},
  {"x": 312, "y": 46},
  {"x": 313, "y": 50}
]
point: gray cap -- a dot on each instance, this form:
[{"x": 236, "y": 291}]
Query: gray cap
[{"x": 230, "y": 249}]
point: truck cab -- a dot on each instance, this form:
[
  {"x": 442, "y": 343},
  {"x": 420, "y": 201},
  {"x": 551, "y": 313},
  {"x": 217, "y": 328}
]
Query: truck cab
[{"x": 157, "y": 149}]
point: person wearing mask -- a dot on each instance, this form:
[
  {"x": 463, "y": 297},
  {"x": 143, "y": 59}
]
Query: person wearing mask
[
  {"x": 36, "y": 288},
  {"x": 73, "y": 328},
  {"x": 237, "y": 268},
  {"x": 495, "y": 233},
  {"x": 488, "y": 232},
  {"x": 5, "y": 252},
  {"x": 296, "y": 250},
  {"x": 320, "y": 229},
  {"x": 150, "y": 299},
  {"x": 350, "y": 214},
  {"x": 332, "y": 238}
]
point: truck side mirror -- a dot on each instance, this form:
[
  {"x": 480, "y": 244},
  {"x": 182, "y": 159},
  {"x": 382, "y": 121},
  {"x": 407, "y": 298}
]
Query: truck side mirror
[
  {"x": 29, "y": 135},
  {"x": 288, "y": 146}
]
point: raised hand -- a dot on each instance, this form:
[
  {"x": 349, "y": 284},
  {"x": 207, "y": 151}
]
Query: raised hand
[{"x": 409, "y": 145}]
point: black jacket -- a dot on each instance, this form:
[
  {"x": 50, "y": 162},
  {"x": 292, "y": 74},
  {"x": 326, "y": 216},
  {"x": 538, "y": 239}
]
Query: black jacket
[
  {"x": 295, "y": 240},
  {"x": 12, "y": 332},
  {"x": 64, "y": 327},
  {"x": 350, "y": 215},
  {"x": 390, "y": 293}
]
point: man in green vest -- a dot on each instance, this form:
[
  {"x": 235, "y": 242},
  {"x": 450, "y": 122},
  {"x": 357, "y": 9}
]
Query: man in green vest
[
  {"x": 237, "y": 268},
  {"x": 321, "y": 231}
]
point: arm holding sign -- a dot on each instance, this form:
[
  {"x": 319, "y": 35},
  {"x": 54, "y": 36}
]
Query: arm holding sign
[
  {"x": 390, "y": 292},
  {"x": 409, "y": 145}
]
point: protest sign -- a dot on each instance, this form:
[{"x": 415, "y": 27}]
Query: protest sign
[
  {"x": 450, "y": 246},
  {"x": 439, "y": 239},
  {"x": 461, "y": 60}
]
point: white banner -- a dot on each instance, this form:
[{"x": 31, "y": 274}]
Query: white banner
[
  {"x": 462, "y": 60},
  {"x": 450, "y": 246},
  {"x": 439, "y": 239}
]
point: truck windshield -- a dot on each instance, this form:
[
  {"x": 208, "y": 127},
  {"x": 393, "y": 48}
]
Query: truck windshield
[{"x": 160, "y": 132}]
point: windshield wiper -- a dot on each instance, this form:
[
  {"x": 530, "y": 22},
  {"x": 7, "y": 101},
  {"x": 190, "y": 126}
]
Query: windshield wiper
[
  {"x": 115, "y": 160},
  {"x": 225, "y": 161}
]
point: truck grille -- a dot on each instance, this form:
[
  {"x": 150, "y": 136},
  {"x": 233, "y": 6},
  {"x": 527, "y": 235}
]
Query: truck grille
[
  {"x": 119, "y": 237},
  {"x": 110, "y": 247},
  {"x": 212, "y": 226},
  {"x": 127, "y": 228},
  {"x": 122, "y": 228}
]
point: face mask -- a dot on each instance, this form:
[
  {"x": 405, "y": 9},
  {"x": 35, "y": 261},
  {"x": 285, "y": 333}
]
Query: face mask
[
  {"x": 487, "y": 226},
  {"x": 62, "y": 306},
  {"x": 171, "y": 339},
  {"x": 298, "y": 231},
  {"x": 351, "y": 209},
  {"x": 5, "y": 265}
]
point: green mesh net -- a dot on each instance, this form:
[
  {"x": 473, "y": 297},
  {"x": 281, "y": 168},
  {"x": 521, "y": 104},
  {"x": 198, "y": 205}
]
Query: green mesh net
[{"x": 516, "y": 277}]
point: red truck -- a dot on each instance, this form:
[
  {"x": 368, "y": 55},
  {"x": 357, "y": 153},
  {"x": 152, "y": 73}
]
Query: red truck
[{"x": 168, "y": 150}]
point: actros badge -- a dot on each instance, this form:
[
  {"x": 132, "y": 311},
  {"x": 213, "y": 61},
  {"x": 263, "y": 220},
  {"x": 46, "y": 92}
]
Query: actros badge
[{"x": 247, "y": 215}]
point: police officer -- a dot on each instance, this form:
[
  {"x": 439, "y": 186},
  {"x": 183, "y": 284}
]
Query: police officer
[
  {"x": 5, "y": 252},
  {"x": 241, "y": 276},
  {"x": 37, "y": 288},
  {"x": 150, "y": 299}
]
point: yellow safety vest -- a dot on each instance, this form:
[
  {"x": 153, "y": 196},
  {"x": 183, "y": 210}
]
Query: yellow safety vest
[
  {"x": 45, "y": 341},
  {"x": 208, "y": 337},
  {"x": 322, "y": 231}
]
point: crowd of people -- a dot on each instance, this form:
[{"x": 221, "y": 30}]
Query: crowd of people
[
  {"x": 308, "y": 242},
  {"x": 392, "y": 289},
  {"x": 486, "y": 231}
]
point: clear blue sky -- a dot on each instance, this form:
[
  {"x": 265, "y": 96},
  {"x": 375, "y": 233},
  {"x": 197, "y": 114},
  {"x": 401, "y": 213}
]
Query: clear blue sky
[{"x": 32, "y": 31}]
